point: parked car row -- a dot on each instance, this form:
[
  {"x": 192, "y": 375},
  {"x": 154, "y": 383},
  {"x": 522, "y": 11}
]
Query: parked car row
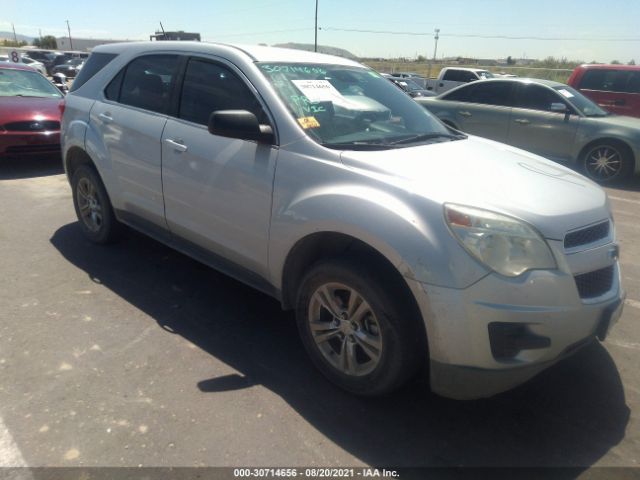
[
  {"x": 401, "y": 242},
  {"x": 544, "y": 117}
]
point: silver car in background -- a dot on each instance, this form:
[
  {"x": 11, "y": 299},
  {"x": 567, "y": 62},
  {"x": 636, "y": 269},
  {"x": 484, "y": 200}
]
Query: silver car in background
[
  {"x": 547, "y": 118},
  {"x": 402, "y": 246}
]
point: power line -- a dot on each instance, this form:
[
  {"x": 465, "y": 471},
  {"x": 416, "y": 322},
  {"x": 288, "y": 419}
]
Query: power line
[
  {"x": 500, "y": 37},
  {"x": 264, "y": 33}
]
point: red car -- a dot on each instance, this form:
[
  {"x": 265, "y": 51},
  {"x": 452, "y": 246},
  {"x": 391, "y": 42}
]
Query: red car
[
  {"x": 614, "y": 87},
  {"x": 29, "y": 113}
]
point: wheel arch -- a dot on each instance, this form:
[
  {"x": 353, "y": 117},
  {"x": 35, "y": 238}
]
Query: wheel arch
[
  {"x": 75, "y": 157},
  {"x": 608, "y": 139},
  {"x": 319, "y": 246}
]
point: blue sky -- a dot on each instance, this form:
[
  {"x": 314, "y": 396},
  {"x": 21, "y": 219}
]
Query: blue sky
[{"x": 581, "y": 29}]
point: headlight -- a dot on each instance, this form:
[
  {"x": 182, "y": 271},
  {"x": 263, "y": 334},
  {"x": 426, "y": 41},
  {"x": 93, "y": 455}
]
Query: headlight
[{"x": 504, "y": 244}]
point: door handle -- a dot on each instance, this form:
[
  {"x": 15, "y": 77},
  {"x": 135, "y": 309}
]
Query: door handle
[
  {"x": 106, "y": 117},
  {"x": 464, "y": 113},
  {"x": 522, "y": 121},
  {"x": 176, "y": 144}
]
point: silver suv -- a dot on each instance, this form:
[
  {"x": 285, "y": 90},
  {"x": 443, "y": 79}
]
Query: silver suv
[{"x": 400, "y": 243}]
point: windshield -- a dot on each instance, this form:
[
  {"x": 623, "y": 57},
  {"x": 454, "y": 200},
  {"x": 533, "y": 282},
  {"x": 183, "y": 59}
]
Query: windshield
[
  {"x": 484, "y": 74},
  {"x": 411, "y": 85},
  {"x": 352, "y": 107},
  {"x": 22, "y": 83},
  {"x": 580, "y": 102}
]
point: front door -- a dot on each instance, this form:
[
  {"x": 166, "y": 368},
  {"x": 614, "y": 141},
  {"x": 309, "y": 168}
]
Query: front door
[
  {"x": 535, "y": 127},
  {"x": 218, "y": 190}
]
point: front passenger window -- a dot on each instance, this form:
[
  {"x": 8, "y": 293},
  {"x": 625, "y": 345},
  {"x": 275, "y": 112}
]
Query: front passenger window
[
  {"x": 536, "y": 97},
  {"x": 209, "y": 87}
]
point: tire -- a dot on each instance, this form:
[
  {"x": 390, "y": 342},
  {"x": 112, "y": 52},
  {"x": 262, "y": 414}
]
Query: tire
[
  {"x": 93, "y": 207},
  {"x": 371, "y": 344},
  {"x": 607, "y": 162}
]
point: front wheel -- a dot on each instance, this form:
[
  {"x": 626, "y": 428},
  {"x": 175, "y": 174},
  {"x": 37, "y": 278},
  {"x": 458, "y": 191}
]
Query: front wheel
[
  {"x": 607, "y": 162},
  {"x": 357, "y": 332}
]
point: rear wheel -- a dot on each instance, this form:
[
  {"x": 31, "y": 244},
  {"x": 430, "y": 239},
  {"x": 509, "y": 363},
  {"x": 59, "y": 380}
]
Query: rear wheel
[
  {"x": 93, "y": 207},
  {"x": 356, "y": 331},
  {"x": 608, "y": 162}
]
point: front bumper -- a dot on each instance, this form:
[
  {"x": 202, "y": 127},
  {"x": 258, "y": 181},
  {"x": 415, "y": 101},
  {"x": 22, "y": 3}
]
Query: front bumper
[
  {"x": 544, "y": 309},
  {"x": 21, "y": 144}
]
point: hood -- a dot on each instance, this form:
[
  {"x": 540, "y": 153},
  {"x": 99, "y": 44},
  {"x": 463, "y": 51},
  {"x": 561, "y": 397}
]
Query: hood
[
  {"x": 17, "y": 109},
  {"x": 618, "y": 121},
  {"x": 486, "y": 174}
]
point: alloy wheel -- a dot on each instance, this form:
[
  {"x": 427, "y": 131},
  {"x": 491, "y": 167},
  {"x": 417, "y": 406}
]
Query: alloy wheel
[
  {"x": 603, "y": 162},
  {"x": 345, "y": 329},
  {"x": 89, "y": 204}
]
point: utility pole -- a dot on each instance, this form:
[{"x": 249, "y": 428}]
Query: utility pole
[
  {"x": 435, "y": 51},
  {"x": 15, "y": 39},
  {"x": 70, "y": 41},
  {"x": 315, "y": 45}
]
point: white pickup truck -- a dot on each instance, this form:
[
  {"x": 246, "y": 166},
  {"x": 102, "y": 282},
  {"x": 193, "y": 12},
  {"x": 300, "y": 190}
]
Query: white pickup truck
[{"x": 451, "y": 77}]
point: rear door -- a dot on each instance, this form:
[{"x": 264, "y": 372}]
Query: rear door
[
  {"x": 534, "y": 127},
  {"x": 481, "y": 108},
  {"x": 130, "y": 123},
  {"x": 218, "y": 190}
]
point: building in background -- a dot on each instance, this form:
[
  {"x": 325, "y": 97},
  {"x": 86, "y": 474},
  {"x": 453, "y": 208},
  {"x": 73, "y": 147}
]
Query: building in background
[{"x": 179, "y": 35}]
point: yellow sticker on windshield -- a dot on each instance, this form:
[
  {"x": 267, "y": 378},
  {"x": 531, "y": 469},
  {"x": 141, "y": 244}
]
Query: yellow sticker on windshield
[{"x": 308, "y": 122}]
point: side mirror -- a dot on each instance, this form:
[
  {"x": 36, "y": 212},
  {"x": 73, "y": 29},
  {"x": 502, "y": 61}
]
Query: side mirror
[
  {"x": 559, "y": 108},
  {"x": 240, "y": 124}
]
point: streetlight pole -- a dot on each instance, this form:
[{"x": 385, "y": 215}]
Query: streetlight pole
[
  {"x": 315, "y": 45},
  {"x": 435, "y": 51},
  {"x": 70, "y": 41}
]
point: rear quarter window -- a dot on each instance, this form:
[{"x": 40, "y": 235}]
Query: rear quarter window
[{"x": 95, "y": 63}]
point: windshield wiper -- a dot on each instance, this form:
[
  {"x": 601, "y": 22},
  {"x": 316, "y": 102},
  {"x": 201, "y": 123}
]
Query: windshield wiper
[
  {"x": 359, "y": 145},
  {"x": 428, "y": 136}
]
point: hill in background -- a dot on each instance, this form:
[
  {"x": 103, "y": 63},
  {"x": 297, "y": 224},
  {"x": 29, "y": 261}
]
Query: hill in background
[
  {"x": 21, "y": 38},
  {"x": 339, "y": 52}
]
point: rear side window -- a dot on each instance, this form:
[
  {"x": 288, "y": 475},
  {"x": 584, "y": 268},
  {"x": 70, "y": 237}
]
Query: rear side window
[
  {"x": 95, "y": 63},
  {"x": 487, "y": 93},
  {"x": 461, "y": 94},
  {"x": 148, "y": 81},
  {"x": 492, "y": 93},
  {"x": 453, "y": 75}
]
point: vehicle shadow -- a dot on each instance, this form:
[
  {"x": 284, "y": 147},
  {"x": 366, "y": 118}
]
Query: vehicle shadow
[
  {"x": 17, "y": 168},
  {"x": 570, "y": 415},
  {"x": 628, "y": 185}
]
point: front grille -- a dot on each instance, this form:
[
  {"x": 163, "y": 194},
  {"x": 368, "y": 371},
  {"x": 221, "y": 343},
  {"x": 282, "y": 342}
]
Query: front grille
[
  {"x": 596, "y": 283},
  {"x": 32, "y": 126},
  {"x": 31, "y": 149},
  {"x": 587, "y": 235}
]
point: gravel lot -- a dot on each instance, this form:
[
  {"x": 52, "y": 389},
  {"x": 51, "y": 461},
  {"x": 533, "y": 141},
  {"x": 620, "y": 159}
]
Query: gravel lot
[{"x": 134, "y": 354}]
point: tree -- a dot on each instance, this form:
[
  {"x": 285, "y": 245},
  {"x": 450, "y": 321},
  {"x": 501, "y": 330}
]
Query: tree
[
  {"x": 11, "y": 43},
  {"x": 632, "y": 62},
  {"x": 615, "y": 62},
  {"x": 510, "y": 61},
  {"x": 48, "y": 42},
  {"x": 421, "y": 59}
]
